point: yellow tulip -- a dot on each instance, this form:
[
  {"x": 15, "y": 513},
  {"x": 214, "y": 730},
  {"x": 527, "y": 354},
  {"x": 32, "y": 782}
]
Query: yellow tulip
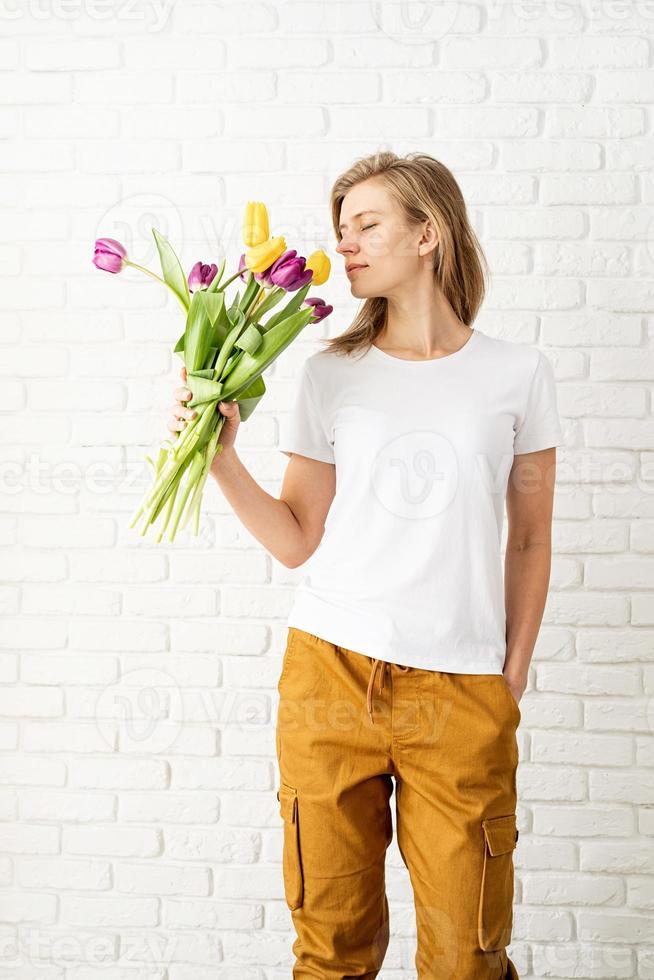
[
  {"x": 255, "y": 224},
  {"x": 319, "y": 263},
  {"x": 261, "y": 257}
]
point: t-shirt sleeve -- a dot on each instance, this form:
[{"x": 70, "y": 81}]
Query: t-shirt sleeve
[
  {"x": 303, "y": 430},
  {"x": 540, "y": 426}
]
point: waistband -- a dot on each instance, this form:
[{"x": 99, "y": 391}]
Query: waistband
[{"x": 375, "y": 664}]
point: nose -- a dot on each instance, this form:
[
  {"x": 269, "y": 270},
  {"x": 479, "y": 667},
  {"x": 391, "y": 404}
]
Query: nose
[{"x": 344, "y": 247}]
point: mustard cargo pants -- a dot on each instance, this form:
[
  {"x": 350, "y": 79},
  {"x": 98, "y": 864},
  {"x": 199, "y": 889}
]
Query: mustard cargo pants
[{"x": 346, "y": 726}]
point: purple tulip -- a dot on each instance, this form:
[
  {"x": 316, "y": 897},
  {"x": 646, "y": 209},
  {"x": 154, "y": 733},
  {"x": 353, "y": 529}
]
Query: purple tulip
[
  {"x": 109, "y": 255},
  {"x": 201, "y": 276},
  {"x": 263, "y": 278},
  {"x": 243, "y": 270},
  {"x": 320, "y": 308},
  {"x": 289, "y": 271}
]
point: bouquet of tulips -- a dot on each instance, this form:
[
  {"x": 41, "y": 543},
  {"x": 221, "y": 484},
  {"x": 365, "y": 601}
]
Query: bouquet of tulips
[{"x": 225, "y": 347}]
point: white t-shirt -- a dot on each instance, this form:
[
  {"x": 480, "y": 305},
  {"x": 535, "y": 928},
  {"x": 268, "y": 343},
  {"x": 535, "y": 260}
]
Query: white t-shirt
[{"x": 409, "y": 568}]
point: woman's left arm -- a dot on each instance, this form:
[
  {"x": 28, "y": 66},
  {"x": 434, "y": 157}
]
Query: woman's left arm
[{"x": 529, "y": 505}]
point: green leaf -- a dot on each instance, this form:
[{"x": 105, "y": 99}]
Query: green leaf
[
  {"x": 250, "y": 398},
  {"x": 214, "y": 304},
  {"x": 215, "y": 282},
  {"x": 171, "y": 268},
  {"x": 234, "y": 308},
  {"x": 273, "y": 343},
  {"x": 197, "y": 334},
  {"x": 228, "y": 345},
  {"x": 250, "y": 340},
  {"x": 273, "y": 297},
  {"x": 293, "y": 304},
  {"x": 204, "y": 390}
]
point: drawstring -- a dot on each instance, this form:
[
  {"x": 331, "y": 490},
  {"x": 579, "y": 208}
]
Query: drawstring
[{"x": 375, "y": 665}]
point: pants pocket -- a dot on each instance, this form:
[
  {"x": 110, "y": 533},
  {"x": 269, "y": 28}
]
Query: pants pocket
[
  {"x": 495, "y": 920},
  {"x": 291, "y": 634},
  {"x": 292, "y": 859}
]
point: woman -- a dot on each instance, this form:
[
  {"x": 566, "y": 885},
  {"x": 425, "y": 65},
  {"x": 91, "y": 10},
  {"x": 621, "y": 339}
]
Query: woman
[{"x": 409, "y": 433}]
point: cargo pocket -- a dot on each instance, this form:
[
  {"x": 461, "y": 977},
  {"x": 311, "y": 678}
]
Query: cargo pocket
[
  {"x": 291, "y": 861},
  {"x": 495, "y": 919}
]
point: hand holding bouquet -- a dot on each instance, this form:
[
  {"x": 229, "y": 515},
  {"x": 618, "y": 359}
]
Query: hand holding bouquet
[{"x": 225, "y": 348}]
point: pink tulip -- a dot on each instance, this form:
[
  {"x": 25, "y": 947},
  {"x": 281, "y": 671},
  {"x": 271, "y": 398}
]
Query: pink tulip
[
  {"x": 242, "y": 268},
  {"x": 289, "y": 271},
  {"x": 320, "y": 308},
  {"x": 109, "y": 255},
  {"x": 201, "y": 276},
  {"x": 244, "y": 274}
]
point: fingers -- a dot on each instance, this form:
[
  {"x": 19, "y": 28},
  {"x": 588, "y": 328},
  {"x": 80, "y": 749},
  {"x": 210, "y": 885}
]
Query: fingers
[
  {"x": 228, "y": 409},
  {"x": 182, "y": 394},
  {"x": 176, "y": 425},
  {"x": 179, "y": 419},
  {"x": 183, "y": 373},
  {"x": 182, "y": 412}
]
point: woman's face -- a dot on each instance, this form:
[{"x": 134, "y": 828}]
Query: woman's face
[{"x": 377, "y": 235}]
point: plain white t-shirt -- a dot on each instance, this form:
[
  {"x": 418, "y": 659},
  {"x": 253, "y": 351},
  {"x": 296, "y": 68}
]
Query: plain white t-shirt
[{"x": 409, "y": 568}]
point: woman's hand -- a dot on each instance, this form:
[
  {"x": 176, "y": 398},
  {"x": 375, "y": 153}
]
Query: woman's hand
[
  {"x": 230, "y": 426},
  {"x": 516, "y": 685},
  {"x": 181, "y": 415}
]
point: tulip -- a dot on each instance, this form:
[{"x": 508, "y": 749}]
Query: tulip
[
  {"x": 321, "y": 266},
  {"x": 109, "y": 255},
  {"x": 255, "y": 224},
  {"x": 226, "y": 350},
  {"x": 243, "y": 269},
  {"x": 289, "y": 272},
  {"x": 201, "y": 276},
  {"x": 320, "y": 308},
  {"x": 244, "y": 273},
  {"x": 260, "y": 257}
]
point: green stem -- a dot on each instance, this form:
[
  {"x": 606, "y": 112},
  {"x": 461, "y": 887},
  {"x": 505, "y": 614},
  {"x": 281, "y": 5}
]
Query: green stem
[
  {"x": 163, "y": 282},
  {"x": 235, "y": 276},
  {"x": 169, "y": 510},
  {"x": 193, "y": 510},
  {"x": 191, "y": 479}
]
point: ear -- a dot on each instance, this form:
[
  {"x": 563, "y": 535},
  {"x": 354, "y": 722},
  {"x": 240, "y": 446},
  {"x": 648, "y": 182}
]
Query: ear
[{"x": 429, "y": 242}]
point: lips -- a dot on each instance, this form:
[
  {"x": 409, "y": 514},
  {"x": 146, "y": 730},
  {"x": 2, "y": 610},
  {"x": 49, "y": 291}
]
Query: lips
[{"x": 353, "y": 268}]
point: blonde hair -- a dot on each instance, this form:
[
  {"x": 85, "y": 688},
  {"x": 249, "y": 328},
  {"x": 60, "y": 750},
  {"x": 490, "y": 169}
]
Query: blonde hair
[{"x": 424, "y": 188}]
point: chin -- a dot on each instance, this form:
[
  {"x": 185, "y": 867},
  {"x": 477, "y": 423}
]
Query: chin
[{"x": 359, "y": 292}]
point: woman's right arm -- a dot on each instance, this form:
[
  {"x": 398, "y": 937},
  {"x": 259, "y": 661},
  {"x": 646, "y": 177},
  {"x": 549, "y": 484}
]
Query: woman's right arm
[{"x": 289, "y": 527}]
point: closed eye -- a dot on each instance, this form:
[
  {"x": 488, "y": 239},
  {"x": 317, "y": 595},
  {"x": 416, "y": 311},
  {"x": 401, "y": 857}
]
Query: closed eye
[{"x": 369, "y": 226}]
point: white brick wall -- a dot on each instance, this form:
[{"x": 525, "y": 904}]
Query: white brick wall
[{"x": 139, "y": 828}]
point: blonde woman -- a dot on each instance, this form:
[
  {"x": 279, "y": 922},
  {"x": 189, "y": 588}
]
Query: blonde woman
[{"x": 408, "y": 643}]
